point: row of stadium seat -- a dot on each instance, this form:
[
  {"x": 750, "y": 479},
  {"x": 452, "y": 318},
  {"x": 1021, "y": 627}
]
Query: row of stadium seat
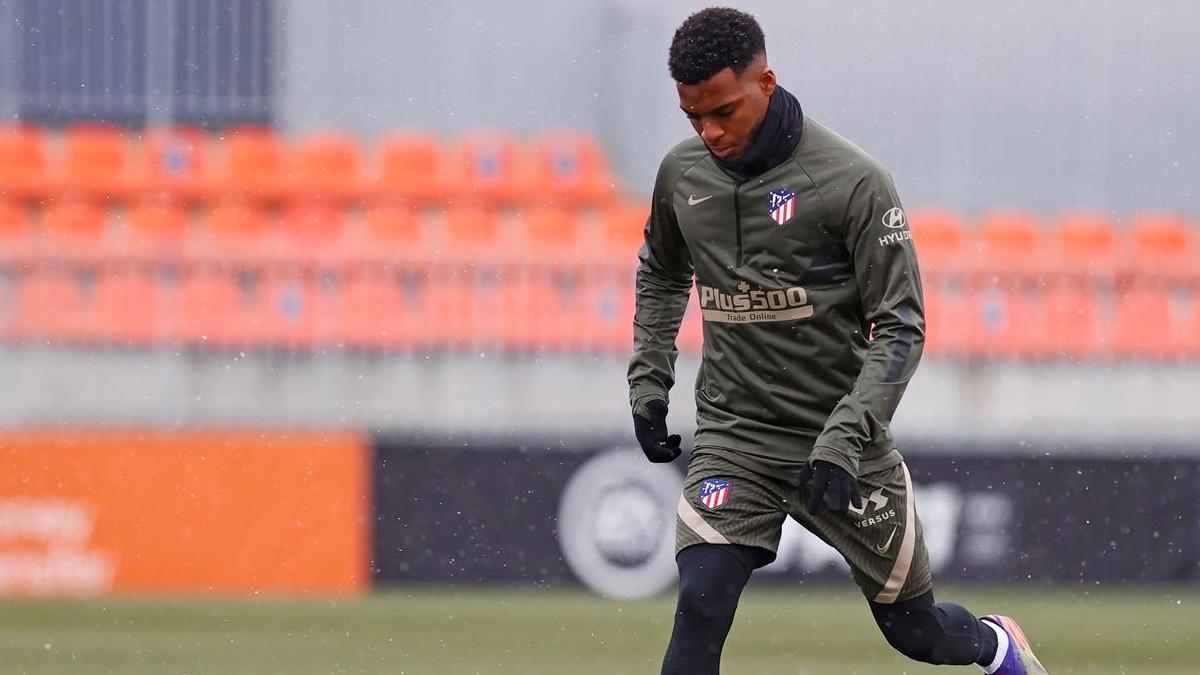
[
  {"x": 530, "y": 313},
  {"x": 1019, "y": 244},
  {"x": 1010, "y": 245},
  {"x": 217, "y": 310},
  {"x": 316, "y": 233},
  {"x": 107, "y": 163}
]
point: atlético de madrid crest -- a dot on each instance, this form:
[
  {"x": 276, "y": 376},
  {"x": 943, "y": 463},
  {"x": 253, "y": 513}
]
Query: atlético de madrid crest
[
  {"x": 782, "y": 205},
  {"x": 715, "y": 492}
]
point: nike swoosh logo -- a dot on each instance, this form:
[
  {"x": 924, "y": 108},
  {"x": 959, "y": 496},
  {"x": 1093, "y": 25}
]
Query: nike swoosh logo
[
  {"x": 692, "y": 201},
  {"x": 888, "y": 544}
]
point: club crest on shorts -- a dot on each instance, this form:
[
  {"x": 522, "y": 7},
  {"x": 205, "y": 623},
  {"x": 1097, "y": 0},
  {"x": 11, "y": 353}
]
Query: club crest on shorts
[
  {"x": 715, "y": 492},
  {"x": 782, "y": 205}
]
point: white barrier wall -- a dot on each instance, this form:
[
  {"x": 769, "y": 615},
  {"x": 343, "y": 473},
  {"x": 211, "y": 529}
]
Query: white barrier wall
[{"x": 1102, "y": 407}]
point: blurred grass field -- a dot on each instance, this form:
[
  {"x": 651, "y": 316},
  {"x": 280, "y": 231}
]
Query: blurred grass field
[{"x": 527, "y": 632}]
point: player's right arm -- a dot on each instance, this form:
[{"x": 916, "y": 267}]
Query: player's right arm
[{"x": 664, "y": 280}]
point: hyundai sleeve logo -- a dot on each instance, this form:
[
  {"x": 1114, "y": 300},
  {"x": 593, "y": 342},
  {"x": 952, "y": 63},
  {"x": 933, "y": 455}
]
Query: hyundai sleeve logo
[{"x": 894, "y": 218}]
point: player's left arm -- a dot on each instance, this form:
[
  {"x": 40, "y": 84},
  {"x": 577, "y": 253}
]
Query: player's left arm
[{"x": 885, "y": 266}]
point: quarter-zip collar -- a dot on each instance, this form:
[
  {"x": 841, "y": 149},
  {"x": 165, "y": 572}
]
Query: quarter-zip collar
[{"x": 775, "y": 139}]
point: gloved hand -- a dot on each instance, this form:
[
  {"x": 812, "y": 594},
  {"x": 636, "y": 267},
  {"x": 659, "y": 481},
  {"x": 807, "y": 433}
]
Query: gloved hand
[
  {"x": 652, "y": 435},
  {"x": 829, "y": 482}
]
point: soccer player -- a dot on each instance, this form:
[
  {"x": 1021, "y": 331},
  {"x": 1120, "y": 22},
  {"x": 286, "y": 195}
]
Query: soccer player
[{"x": 813, "y": 325}]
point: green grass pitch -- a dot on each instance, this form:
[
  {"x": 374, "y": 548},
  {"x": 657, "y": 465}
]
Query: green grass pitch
[{"x": 811, "y": 630}]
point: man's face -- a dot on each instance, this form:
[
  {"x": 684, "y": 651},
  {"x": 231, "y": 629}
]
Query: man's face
[{"x": 726, "y": 108}]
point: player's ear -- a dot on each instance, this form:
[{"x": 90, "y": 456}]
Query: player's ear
[{"x": 766, "y": 82}]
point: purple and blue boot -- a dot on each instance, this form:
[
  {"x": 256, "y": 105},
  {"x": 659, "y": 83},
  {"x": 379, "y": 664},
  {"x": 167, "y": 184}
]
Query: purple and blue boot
[{"x": 1019, "y": 658}]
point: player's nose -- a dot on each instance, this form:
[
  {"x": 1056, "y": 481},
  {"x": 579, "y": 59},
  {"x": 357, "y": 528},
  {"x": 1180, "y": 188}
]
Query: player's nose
[{"x": 711, "y": 132}]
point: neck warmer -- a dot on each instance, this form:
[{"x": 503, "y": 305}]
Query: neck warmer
[{"x": 776, "y": 137}]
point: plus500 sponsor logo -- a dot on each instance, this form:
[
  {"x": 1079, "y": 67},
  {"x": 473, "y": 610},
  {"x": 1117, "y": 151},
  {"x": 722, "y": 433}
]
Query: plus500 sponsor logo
[{"x": 747, "y": 306}]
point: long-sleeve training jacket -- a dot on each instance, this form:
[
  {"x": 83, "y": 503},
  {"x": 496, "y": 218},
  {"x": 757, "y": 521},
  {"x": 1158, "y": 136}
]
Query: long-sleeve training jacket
[{"x": 811, "y": 299}]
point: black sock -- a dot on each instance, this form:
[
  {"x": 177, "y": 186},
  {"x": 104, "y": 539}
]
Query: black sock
[
  {"x": 941, "y": 633},
  {"x": 711, "y": 579}
]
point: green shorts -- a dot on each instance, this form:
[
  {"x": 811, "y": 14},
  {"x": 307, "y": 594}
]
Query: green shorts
[{"x": 723, "y": 503}]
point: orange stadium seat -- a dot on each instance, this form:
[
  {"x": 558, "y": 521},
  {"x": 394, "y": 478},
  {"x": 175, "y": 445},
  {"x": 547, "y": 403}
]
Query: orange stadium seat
[
  {"x": 1070, "y": 324},
  {"x": 1165, "y": 246},
  {"x": 1006, "y": 323},
  {"x": 606, "y": 313},
  {"x": 950, "y": 315},
  {"x": 472, "y": 237},
  {"x": 15, "y": 241},
  {"x": 415, "y": 168},
  {"x": 549, "y": 236},
  {"x": 1011, "y": 246},
  {"x": 326, "y": 165},
  {"x": 1085, "y": 245},
  {"x": 1191, "y": 328},
  {"x": 48, "y": 307},
  {"x": 24, "y": 172},
  {"x": 127, "y": 308},
  {"x": 210, "y": 310},
  {"x": 443, "y": 312},
  {"x": 622, "y": 228},
  {"x": 313, "y": 233},
  {"x": 232, "y": 232},
  {"x": 1146, "y": 324},
  {"x": 252, "y": 166},
  {"x": 492, "y": 324},
  {"x": 942, "y": 242},
  {"x": 371, "y": 311},
  {"x": 6, "y": 307},
  {"x": 572, "y": 168},
  {"x": 97, "y": 163},
  {"x": 289, "y": 311},
  {"x": 394, "y": 235},
  {"x": 534, "y": 315},
  {"x": 495, "y": 168},
  {"x": 156, "y": 232},
  {"x": 73, "y": 231},
  {"x": 176, "y": 163}
]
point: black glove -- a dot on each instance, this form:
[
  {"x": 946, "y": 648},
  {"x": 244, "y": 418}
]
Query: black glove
[
  {"x": 831, "y": 482},
  {"x": 652, "y": 435}
]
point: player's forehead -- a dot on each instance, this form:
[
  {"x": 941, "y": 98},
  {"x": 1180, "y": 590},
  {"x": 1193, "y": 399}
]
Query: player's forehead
[{"x": 703, "y": 97}]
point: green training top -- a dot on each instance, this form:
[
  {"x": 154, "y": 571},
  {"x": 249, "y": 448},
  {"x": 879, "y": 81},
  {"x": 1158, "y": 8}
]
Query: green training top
[{"x": 811, "y": 299}]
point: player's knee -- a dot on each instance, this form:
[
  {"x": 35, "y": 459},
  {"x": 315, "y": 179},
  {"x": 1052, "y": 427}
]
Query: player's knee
[
  {"x": 915, "y": 646},
  {"x": 704, "y": 597},
  {"x": 912, "y": 639},
  {"x": 710, "y": 583}
]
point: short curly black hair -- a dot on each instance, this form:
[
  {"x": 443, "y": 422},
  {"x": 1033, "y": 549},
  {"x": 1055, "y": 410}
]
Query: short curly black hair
[{"x": 712, "y": 40}]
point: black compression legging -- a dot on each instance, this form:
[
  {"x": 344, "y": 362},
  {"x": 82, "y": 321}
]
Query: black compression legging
[
  {"x": 941, "y": 633},
  {"x": 711, "y": 579}
]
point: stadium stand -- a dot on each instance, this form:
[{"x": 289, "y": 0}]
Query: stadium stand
[
  {"x": 96, "y": 163},
  {"x": 73, "y": 231},
  {"x": 252, "y": 240},
  {"x": 127, "y": 308},
  {"x": 944, "y": 243},
  {"x": 571, "y": 168},
  {"x": 1012, "y": 247},
  {"x": 175, "y": 164},
  {"x": 325, "y": 165},
  {"x": 14, "y": 235},
  {"x": 48, "y": 306},
  {"x": 24, "y": 170},
  {"x": 251, "y": 166},
  {"x": 209, "y": 310},
  {"x": 1164, "y": 248},
  {"x": 414, "y": 168},
  {"x": 1085, "y": 246}
]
